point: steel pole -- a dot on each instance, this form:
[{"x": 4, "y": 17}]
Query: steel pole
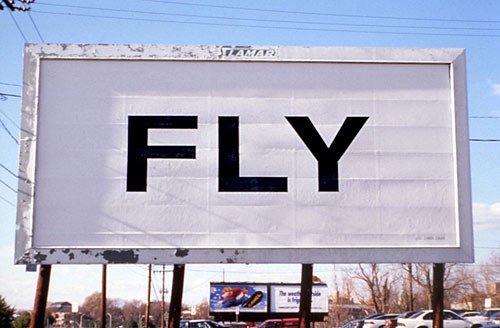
[
  {"x": 103, "y": 296},
  {"x": 437, "y": 294},
  {"x": 305, "y": 296},
  {"x": 41, "y": 294}
]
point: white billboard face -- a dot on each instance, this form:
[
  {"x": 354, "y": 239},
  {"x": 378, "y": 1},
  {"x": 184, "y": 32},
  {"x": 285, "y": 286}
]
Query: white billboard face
[
  {"x": 286, "y": 298},
  {"x": 211, "y": 154}
]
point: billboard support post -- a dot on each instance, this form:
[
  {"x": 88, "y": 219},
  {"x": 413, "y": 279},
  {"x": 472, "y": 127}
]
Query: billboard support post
[
  {"x": 148, "y": 303},
  {"x": 174, "y": 313},
  {"x": 103, "y": 296},
  {"x": 305, "y": 296},
  {"x": 42, "y": 292},
  {"x": 437, "y": 294}
]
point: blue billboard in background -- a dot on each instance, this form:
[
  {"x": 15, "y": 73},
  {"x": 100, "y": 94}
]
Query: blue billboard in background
[{"x": 238, "y": 298}]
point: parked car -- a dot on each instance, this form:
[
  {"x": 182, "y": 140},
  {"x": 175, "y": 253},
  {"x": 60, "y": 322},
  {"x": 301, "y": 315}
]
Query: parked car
[
  {"x": 489, "y": 312},
  {"x": 279, "y": 323},
  {"x": 391, "y": 323},
  {"x": 423, "y": 319},
  {"x": 467, "y": 314},
  {"x": 360, "y": 322},
  {"x": 200, "y": 324},
  {"x": 375, "y": 321},
  {"x": 495, "y": 318},
  {"x": 349, "y": 324},
  {"x": 478, "y": 320},
  {"x": 485, "y": 317}
]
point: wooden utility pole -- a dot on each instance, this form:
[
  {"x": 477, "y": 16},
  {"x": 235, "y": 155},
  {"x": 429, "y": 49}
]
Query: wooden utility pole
[
  {"x": 146, "y": 319},
  {"x": 305, "y": 296},
  {"x": 163, "y": 297},
  {"x": 437, "y": 294},
  {"x": 41, "y": 294},
  {"x": 103, "y": 296},
  {"x": 410, "y": 285},
  {"x": 174, "y": 313}
]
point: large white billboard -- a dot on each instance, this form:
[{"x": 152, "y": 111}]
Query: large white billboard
[{"x": 183, "y": 154}]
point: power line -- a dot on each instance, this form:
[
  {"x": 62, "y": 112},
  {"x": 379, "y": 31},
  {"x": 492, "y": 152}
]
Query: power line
[
  {"x": 7, "y": 185},
  {"x": 8, "y": 132},
  {"x": 18, "y": 27},
  {"x": 266, "y": 27},
  {"x": 271, "y": 20},
  {"x": 36, "y": 27},
  {"x": 7, "y": 201},
  {"x": 10, "y": 120},
  {"x": 9, "y": 95},
  {"x": 11, "y": 84},
  {"x": 324, "y": 14},
  {"x": 7, "y": 169},
  {"x": 484, "y": 140}
]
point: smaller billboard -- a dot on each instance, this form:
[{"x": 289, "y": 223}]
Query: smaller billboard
[
  {"x": 286, "y": 298},
  {"x": 238, "y": 297}
]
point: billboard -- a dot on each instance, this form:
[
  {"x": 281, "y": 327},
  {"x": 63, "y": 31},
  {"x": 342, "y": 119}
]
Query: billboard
[
  {"x": 210, "y": 154},
  {"x": 231, "y": 297},
  {"x": 269, "y": 298},
  {"x": 286, "y": 298}
]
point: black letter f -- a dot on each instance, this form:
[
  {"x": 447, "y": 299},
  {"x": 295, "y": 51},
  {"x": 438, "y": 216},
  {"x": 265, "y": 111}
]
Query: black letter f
[{"x": 139, "y": 151}]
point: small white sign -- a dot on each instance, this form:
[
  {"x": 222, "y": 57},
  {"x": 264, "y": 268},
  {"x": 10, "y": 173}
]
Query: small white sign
[{"x": 285, "y": 298}]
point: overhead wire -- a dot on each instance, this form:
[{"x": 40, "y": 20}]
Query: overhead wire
[
  {"x": 7, "y": 185},
  {"x": 7, "y": 201},
  {"x": 36, "y": 27},
  {"x": 8, "y": 170},
  {"x": 484, "y": 140},
  {"x": 295, "y": 12},
  {"x": 265, "y": 26},
  {"x": 18, "y": 27},
  {"x": 11, "y": 84},
  {"x": 9, "y": 95},
  {"x": 268, "y": 20},
  {"x": 10, "y": 120},
  {"x": 8, "y": 132}
]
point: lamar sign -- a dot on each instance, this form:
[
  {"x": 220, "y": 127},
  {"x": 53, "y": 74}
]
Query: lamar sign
[{"x": 168, "y": 154}]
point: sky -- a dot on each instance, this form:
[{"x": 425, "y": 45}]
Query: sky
[{"x": 472, "y": 25}]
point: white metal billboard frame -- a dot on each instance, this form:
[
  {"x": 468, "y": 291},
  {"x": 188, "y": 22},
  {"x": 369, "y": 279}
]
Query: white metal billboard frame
[{"x": 26, "y": 253}]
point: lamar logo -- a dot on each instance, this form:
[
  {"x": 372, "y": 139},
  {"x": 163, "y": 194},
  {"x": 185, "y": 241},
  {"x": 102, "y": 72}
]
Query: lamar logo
[{"x": 248, "y": 52}]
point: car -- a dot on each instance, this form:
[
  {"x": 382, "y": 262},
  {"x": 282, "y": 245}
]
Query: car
[
  {"x": 355, "y": 322},
  {"x": 485, "y": 317},
  {"x": 423, "y": 319},
  {"x": 495, "y": 318},
  {"x": 349, "y": 324},
  {"x": 200, "y": 324},
  {"x": 279, "y": 323},
  {"x": 391, "y": 323},
  {"x": 467, "y": 314},
  {"x": 375, "y": 321}
]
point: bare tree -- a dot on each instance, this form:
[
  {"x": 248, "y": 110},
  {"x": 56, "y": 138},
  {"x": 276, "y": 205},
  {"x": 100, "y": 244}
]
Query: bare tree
[
  {"x": 202, "y": 310},
  {"x": 133, "y": 310},
  {"x": 92, "y": 307},
  {"x": 457, "y": 281},
  {"x": 381, "y": 284},
  {"x": 20, "y": 5}
]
